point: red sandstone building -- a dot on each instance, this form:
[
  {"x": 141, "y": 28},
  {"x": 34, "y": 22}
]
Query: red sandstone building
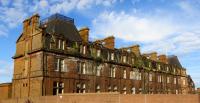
[{"x": 53, "y": 57}]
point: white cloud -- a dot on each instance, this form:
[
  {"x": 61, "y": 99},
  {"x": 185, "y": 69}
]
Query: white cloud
[
  {"x": 13, "y": 13},
  {"x": 156, "y": 33},
  {"x": 106, "y": 2},
  {"x": 84, "y": 4},
  {"x": 131, "y": 27}
]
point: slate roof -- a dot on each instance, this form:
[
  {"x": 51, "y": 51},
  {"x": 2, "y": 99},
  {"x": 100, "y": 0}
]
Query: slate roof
[
  {"x": 173, "y": 60},
  {"x": 61, "y": 25}
]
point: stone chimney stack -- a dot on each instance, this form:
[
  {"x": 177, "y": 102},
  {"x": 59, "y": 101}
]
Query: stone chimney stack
[
  {"x": 136, "y": 49},
  {"x": 163, "y": 58},
  {"x": 109, "y": 42},
  {"x": 84, "y": 33},
  {"x": 31, "y": 24},
  {"x": 153, "y": 56}
]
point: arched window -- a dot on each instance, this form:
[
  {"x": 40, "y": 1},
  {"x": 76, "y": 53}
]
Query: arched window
[
  {"x": 78, "y": 88},
  {"x": 115, "y": 89},
  {"x": 133, "y": 90},
  {"x": 124, "y": 90},
  {"x": 98, "y": 88},
  {"x": 83, "y": 87},
  {"x": 109, "y": 89}
]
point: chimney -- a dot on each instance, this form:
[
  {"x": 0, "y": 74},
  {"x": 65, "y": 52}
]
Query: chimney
[
  {"x": 153, "y": 56},
  {"x": 109, "y": 42},
  {"x": 30, "y": 24},
  {"x": 136, "y": 49},
  {"x": 162, "y": 58},
  {"x": 35, "y": 22},
  {"x": 84, "y": 33}
]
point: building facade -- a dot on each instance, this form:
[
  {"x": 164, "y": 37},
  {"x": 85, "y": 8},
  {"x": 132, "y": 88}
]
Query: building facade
[{"x": 53, "y": 57}]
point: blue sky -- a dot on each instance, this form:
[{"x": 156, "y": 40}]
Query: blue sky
[{"x": 169, "y": 27}]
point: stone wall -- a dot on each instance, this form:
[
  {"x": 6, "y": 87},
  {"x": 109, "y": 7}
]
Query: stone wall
[
  {"x": 108, "y": 98},
  {"x": 5, "y": 90}
]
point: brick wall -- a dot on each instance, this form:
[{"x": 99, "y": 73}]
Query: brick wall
[{"x": 108, "y": 98}]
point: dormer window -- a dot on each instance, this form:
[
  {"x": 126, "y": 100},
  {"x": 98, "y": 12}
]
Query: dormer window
[
  {"x": 61, "y": 44},
  {"x": 159, "y": 66},
  {"x": 149, "y": 64}
]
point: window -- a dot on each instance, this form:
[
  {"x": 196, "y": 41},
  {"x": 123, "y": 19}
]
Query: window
[
  {"x": 98, "y": 53},
  {"x": 112, "y": 56},
  {"x": 176, "y": 91},
  {"x": 183, "y": 81},
  {"x": 139, "y": 76},
  {"x": 159, "y": 67},
  {"x": 150, "y": 77},
  {"x": 98, "y": 70},
  {"x": 124, "y": 74},
  {"x": 60, "y": 65},
  {"x": 131, "y": 74},
  {"x": 124, "y": 59},
  {"x": 84, "y": 49},
  {"x": 133, "y": 90},
  {"x": 168, "y": 79},
  {"x": 134, "y": 75},
  {"x": 174, "y": 70},
  {"x": 133, "y": 61},
  {"x": 115, "y": 88},
  {"x": 149, "y": 64},
  {"x": 113, "y": 72},
  {"x": 167, "y": 68},
  {"x": 83, "y": 88},
  {"x": 98, "y": 89},
  {"x": 140, "y": 90},
  {"x": 109, "y": 89},
  {"x": 124, "y": 90},
  {"x": 61, "y": 44},
  {"x": 58, "y": 88},
  {"x": 108, "y": 56},
  {"x": 84, "y": 69},
  {"x": 174, "y": 80},
  {"x": 78, "y": 88},
  {"x": 159, "y": 79}
]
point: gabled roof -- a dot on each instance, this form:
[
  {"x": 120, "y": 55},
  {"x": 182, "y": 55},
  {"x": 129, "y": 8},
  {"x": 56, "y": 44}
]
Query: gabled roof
[
  {"x": 61, "y": 25},
  {"x": 173, "y": 60}
]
